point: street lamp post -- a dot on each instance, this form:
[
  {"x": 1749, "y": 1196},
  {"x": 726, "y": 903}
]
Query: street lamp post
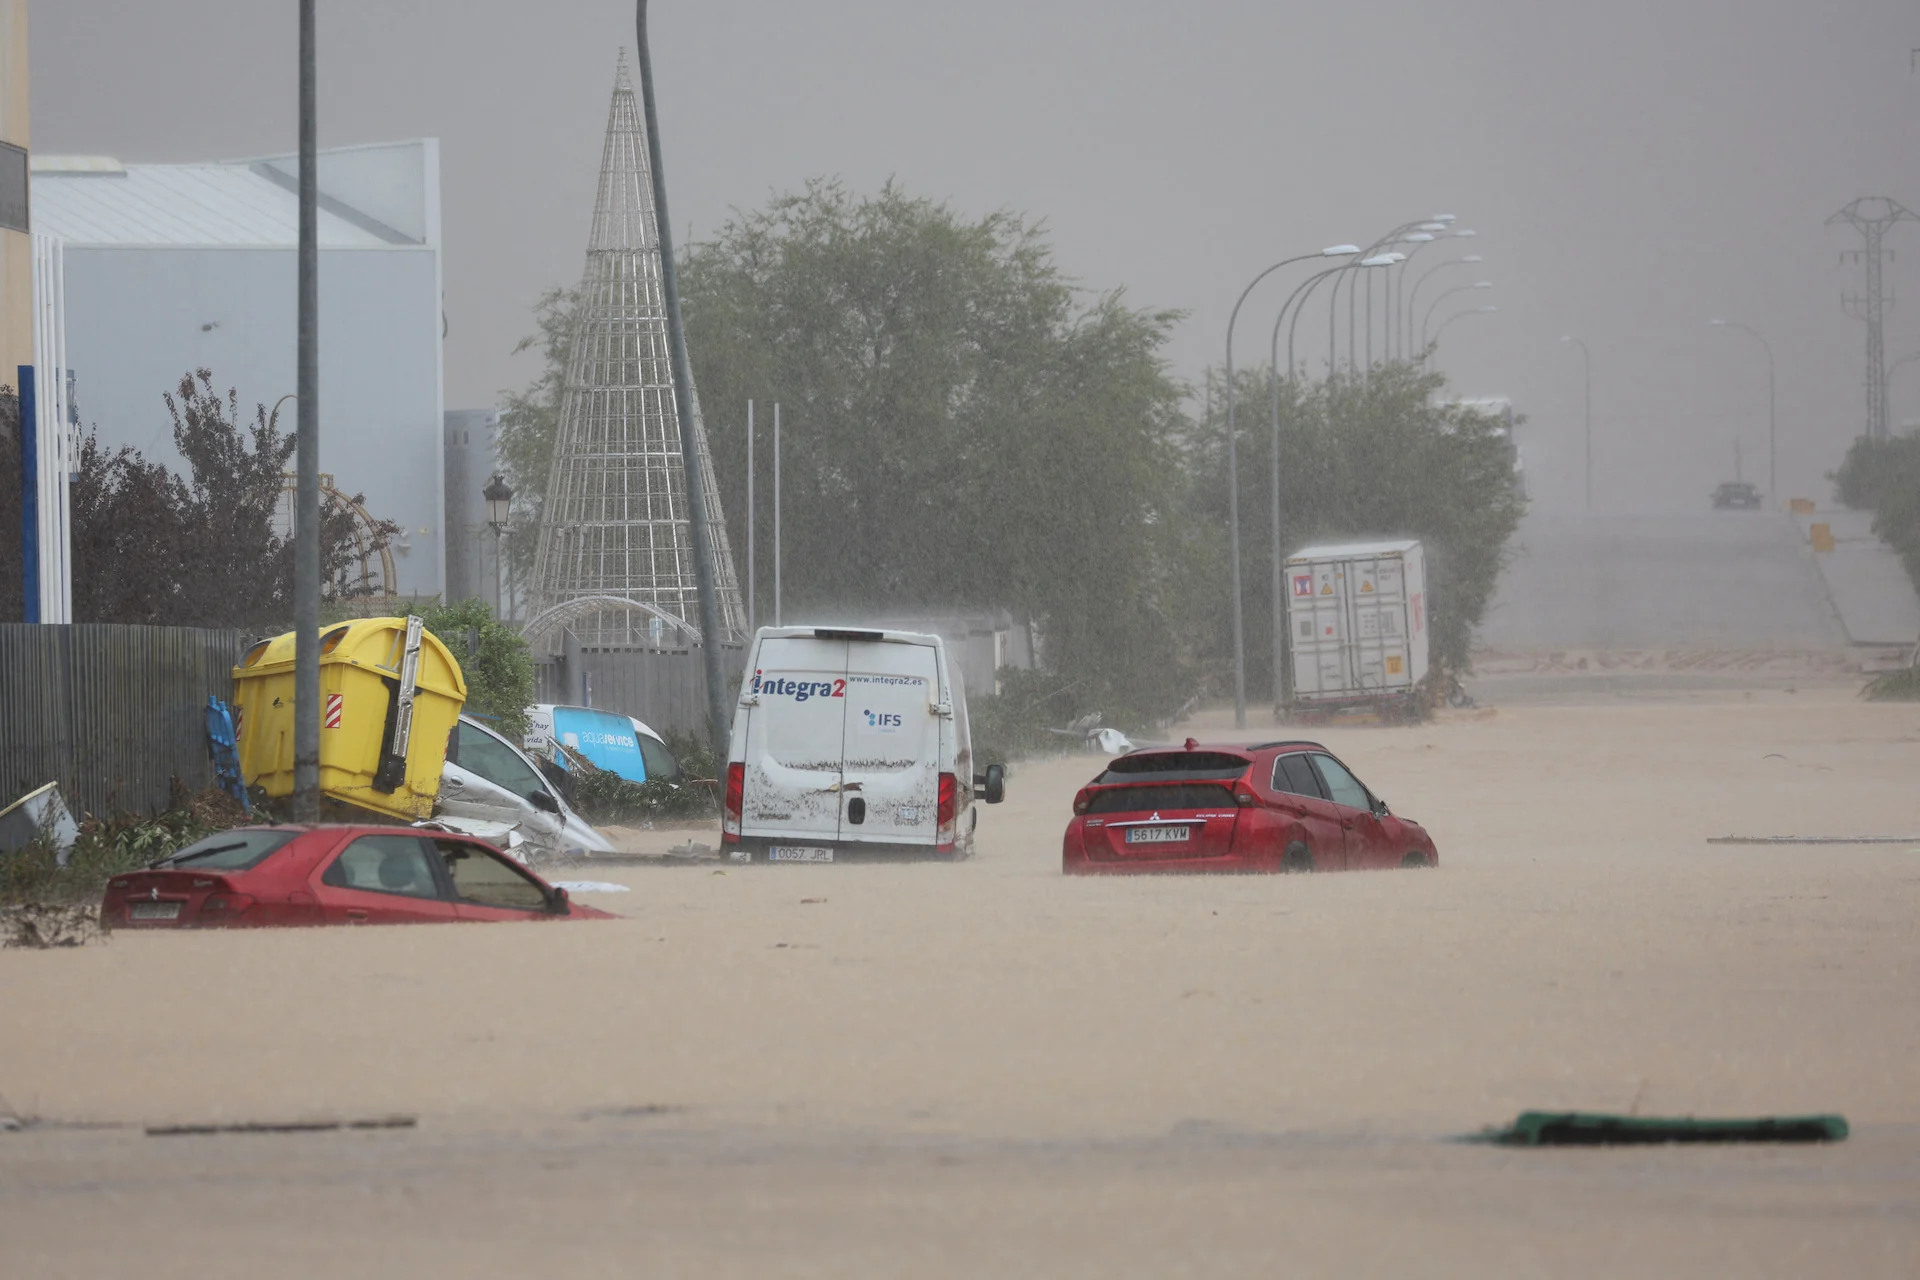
[
  {"x": 1586, "y": 365},
  {"x": 1233, "y": 487},
  {"x": 499, "y": 499},
  {"x": 306, "y": 484},
  {"x": 1413, "y": 294},
  {"x": 1333, "y": 303},
  {"x": 1273, "y": 384},
  {"x": 1428, "y": 317},
  {"x": 1773, "y": 475}
]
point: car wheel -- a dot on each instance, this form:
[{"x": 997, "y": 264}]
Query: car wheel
[
  {"x": 1296, "y": 859},
  {"x": 1416, "y": 859}
]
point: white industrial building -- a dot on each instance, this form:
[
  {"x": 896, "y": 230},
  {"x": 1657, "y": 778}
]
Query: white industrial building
[{"x": 175, "y": 267}]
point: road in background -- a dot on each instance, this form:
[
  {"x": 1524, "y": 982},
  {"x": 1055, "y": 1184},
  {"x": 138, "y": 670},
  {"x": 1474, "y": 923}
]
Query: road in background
[{"x": 1729, "y": 580}]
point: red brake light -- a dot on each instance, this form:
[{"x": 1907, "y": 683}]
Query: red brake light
[
  {"x": 226, "y": 906},
  {"x": 1082, "y": 801},
  {"x": 731, "y": 805},
  {"x": 944, "y": 813},
  {"x": 1243, "y": 794}
]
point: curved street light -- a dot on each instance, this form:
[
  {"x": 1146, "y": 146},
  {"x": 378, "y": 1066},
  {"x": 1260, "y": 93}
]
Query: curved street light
[
  {"x": 1487, "y": 310},
  {"x": 1233, "y": 483},
  {"x": 1773, "y": 475},
  {"x": 1413, "y": 294},
  {"x": 1427, "y": 319},
  {"x": 1390, "y": 290},
  {"x": 1586, "y": 366}
]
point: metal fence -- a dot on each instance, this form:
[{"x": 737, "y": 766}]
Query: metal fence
[
  {"x": 665, "y": 688},
  {"x": 111, "y": 713}
]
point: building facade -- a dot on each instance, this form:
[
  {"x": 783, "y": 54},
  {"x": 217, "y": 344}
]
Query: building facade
[{"x": 174, "y": 268}]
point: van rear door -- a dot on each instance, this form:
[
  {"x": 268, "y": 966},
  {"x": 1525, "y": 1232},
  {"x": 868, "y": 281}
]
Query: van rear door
[
  {"x": 891, "y": 788},
  {"x": 795, "y": 740}
]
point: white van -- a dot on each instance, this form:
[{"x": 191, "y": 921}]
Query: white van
[{"x": 850, "y": 743}]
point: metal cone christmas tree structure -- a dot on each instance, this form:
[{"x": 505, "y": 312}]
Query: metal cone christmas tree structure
[{"x": 616, "y": 545}]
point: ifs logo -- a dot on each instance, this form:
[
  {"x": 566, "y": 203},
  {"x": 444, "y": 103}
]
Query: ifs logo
[{"x": 885, "y": 722}]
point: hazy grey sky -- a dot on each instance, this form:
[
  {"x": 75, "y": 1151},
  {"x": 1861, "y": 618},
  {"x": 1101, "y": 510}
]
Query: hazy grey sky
[{"x": 1633, "y": 168}]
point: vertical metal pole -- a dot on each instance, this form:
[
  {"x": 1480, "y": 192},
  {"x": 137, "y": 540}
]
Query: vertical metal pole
[
  {"x": 1586, "y": 363},
  {"x": 751, "y": 580},
  {"x": 1233, "y": 552},
  {"x": 306, "y": 499},
  {"x": 719, "y": 725},
  {"x": 29, "y": 498},
  {"x": 499, "y": 578},
  {"x": 779, "y": 617},
  {"x": 1773, "y": 437},
  {"x": 1273, "y": 378}
]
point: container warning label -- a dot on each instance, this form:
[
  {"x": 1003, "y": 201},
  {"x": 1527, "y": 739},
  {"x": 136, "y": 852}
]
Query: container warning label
[
  {"x": 334, "y": 705},
  {"x": 1326, "y": 589},
  {"x": 1366, "y": 586},
  {"x": 1393, "y": 665},
  {"x": 1302, "y": 584}
]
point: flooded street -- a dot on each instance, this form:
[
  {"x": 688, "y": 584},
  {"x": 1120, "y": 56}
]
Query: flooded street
[{"x": 932, "y": 1070}]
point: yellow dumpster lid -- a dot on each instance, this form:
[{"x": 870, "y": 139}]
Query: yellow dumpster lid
[{"x": 375, "y": 643}]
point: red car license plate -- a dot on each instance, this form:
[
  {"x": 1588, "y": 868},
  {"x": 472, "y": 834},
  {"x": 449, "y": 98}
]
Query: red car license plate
[
  {"x": 153, "y": 911},
  {"x": 1157, "y": 835}
]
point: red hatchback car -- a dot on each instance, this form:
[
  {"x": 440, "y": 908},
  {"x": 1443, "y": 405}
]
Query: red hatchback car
[
  {"x": 298, "y": 875},
  {"x": 1279, "y": 806}
]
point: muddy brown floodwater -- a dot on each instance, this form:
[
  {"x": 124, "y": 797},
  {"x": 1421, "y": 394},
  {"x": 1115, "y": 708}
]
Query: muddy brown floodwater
[{"x": 989, "y": 1069}]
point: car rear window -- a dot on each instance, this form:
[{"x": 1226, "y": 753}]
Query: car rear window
[
  {"x": 1155, "y": 796},
  {"x": 229, "y": 851},
  {"x": 1175, "y": 766}
]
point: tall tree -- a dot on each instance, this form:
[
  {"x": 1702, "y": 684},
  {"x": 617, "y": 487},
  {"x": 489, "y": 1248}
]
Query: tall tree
[{"x": 963, "y": 427}]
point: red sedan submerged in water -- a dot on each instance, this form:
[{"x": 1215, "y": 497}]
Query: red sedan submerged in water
[
  {"x": 296, "y": 875},
  {"x": 1279, "y": 806}
]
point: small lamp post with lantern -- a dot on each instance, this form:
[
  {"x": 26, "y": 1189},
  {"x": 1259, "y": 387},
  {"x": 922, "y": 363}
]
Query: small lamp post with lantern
[{"x": 499, "y": 496}]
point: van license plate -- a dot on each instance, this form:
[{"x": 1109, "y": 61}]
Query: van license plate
[
  {"x": 798, "y": 853},
  {"x": 153, "y": 911},
  {"x": 1157, "y": 835}
]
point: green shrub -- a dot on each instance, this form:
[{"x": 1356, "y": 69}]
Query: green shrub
[{"x": 115, "y": 846}]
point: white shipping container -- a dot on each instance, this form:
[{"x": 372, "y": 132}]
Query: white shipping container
[{"x": 1357, "y": 615}]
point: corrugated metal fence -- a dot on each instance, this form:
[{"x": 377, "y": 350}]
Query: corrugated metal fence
[
  {"x": 111, "y": 713},
  {"x": 665, "y": 688}
]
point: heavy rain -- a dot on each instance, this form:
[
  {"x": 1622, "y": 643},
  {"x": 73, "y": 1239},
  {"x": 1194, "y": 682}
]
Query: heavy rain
[{"x": 1047, "y": 639}]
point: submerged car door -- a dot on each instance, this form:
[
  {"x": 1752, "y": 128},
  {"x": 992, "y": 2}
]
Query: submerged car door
[
  {"x": 384, "y": 879},
  {"x": 1298, "y": 794},
  {"x": 487, "y": 886},
  {"x": 796, "y": 731},
  {"x": 1366, "y": 842},
  {"x": 890, "y": 788}
]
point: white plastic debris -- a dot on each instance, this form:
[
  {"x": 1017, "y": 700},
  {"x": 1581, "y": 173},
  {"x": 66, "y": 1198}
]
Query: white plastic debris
[{"x": 590, "y": 886}]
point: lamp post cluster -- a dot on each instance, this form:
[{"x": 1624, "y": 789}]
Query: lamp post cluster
[{"x": 1358, "y": 265}]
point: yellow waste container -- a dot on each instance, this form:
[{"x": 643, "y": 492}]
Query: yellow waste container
[
  {"x": 1822, "y": 537},
  {"x": 377, "y": 752}
]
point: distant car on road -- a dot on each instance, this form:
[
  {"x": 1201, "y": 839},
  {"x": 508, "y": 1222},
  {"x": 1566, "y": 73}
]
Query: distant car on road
[
  {"x": 298, "y": 875},
  {"x": 1736, "y": 493},
  {"x": 1279, "y": 806}
]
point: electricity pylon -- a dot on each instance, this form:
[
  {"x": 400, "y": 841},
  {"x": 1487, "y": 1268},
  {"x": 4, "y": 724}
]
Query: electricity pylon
[{"x": 1871, "y": 216}]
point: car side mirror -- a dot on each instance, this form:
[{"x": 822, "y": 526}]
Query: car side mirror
[
  {"x": 992, "y": 784},
  {"x": 559, "y": 903},
  {"x": 1379, "y": 807},
  {"x": 543, "y": 801}
]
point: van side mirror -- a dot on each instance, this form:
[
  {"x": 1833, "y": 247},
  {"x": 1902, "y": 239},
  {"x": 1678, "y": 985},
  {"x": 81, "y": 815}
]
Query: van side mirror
[
  {"x": 992, "y": 783},
  {"x": 559, "y": 904},
  {"x": 543, "y": 801}
]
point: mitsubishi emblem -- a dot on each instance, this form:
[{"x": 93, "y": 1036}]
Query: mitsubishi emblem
[
  {"x": 155, "y": 891},
  {"x": 1154, "y": 818}
]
